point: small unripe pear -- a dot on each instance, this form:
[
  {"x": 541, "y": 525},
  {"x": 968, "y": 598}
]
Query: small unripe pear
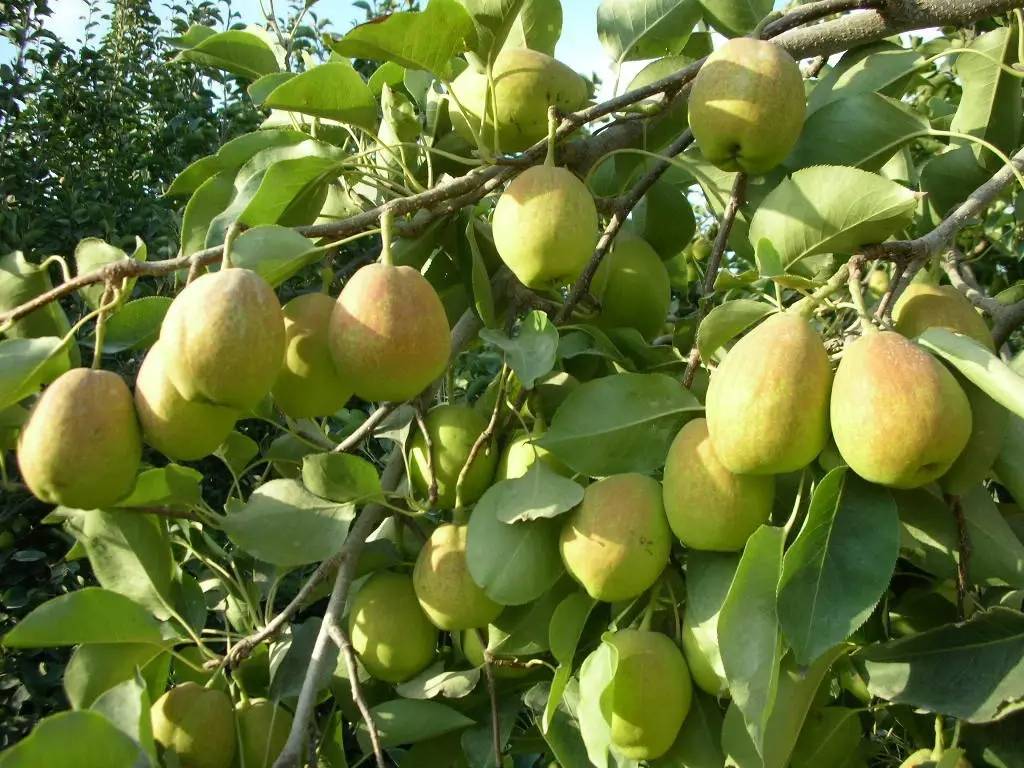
[
  {"x": 616, "y": 542},
  {"x": 389, "y": 333},
  {"x": 444, "y": 587},
  {"x": 309, "y": 384},
  {"x": 197, "y": 725},
  {"x": 632, "y": 286},
  {"x": 922, "y": 306},
  {"x": 81, "y": 446},
  {"x": 898, "y": 416},
  {"x": 767, "y": 403},
  {"x": 224, "y": 336},
  {"x": 650, "y": 694},
  {"x": 545, "y": 226},
  {"x": 391, "y": 634},
  {"x": 521, "y": 453},
  {"x": 453, "y": 430},
  {"x": 747, "y": 106},
  {"x": 708, "y": 506},
  {"x": 262, "y": 732},
  {"x": 183, "y": 430}
]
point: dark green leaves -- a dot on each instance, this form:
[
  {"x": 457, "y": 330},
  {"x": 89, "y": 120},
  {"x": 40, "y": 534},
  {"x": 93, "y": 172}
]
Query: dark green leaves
[
  {"x": 406, "y": 721},
  {"x": 531, "y": 353}
]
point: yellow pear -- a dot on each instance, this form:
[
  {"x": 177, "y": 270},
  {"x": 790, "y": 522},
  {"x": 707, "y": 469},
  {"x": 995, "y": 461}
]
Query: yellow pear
[
  {"x": 708, "y": 506},
  {"x": 308, "y": 384},
  {"x": 521, "y": 453},
  {"x": 632, "y": 286},
  {"x": 389, "y": 631},
  {"x": 545, "y": 226},
  {"x": 747, "y": 106},
  {"x": 81, "y": 446},
  {"x": 898, "y": 416},
  {"x": 922, "y": 306},
  {"x": 183, "y": 430},
  {"x": 446, "y": 591},
  {"x": 224, "y": 336},
  {"x": 196, "y": 725},
  {"x": 453, "y": 430},
  {"x": 389, "y": 333},
  {"x": 649, "y": 695},
  {"x": 616, "y": 542},
  {"x": 767, "y": 403},
  {"x": 262, "y": 732},
  {"x": 525, "y": 83}
]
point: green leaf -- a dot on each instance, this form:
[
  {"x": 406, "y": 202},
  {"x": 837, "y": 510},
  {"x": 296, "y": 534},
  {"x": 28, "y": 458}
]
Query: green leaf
[
  {"x": 289, "y": 661},
  {"x": 540, "y": 493},
  {"x": 698, "y": 744},
  {"x": 334, "y": 91},
  {"x": 95, "y": 668},
  {"x": 727, "y": 321},
  {"x": 190, "y": 179},
  {"x": 492, "y": 20},
  {"x": 208, "y": 201},
  {"x": 194, "y": 35},
  {"x": 90, "y": 615},
  {"x": 882, "y": 67},
  {"x": 538, "y": 26},
  {"x": 273, "y": 252},
  {"x": 135, "y": 325},
  {"x": 169, "y": 486},
  {"x": 531, "y": 353},
  {"x": 530, "y": 563},
  {"x": 748, "y": 631},
  {"x": 831, "y": 736},
  {"x": 428, "y": 39},
  {"x": 236, "y": 51},
  {"x": 839, "y": 566},
  {"x": 631, "y": 30},
  {"x": 735, "y": 17},
  {"x": 286, "y": 190},
  {"x": 620, "y": 423},
  {"x": 831, "y": 209},
  {"x": 284, "y": 524},
  {"x": 483, "y": 296},
  {"x": 91, "y": 254},
  {"x": 406, "y": 721},
  {"x": 27, "y": 364},
  {"x": 434, "y": 681},
  {"x": 341, "y": 477},
  {"x": 949, "y": 178},
  {"x": 127, "y": 705},
  {"x": 261, "y": 88},
  {"x": 972, "y": 671},
  {"x": 389, "y": 74},
  {"x": 238, "y": 450},
  {"x": 564, "y": 631},
  {"x": 80, "y": 739},
  {"x": 21, "y": 281}
]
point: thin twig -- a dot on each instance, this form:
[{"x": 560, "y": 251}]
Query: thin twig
[
  {"x": 884, "y": 308},
  {"x": 964, "y": 555},
  {"x": 482, "y": 439},
  {"x": 340, "y": 638},
  {"x": 428, "y": 446},
  {"x": 493, "y": 694},
  {"x": 364, "y": 430}
]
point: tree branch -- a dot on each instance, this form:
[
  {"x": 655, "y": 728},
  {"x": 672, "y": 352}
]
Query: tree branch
[
  {"x": 340, "y": 638},
  {"x": 492, "y": 694}
]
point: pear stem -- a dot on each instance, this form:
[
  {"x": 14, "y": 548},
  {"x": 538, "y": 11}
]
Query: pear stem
[
  {"x": 386, "y": 218},
  {"x": 549, "y": 158},
  {"x": 229, "y": 242},
  {"x": 857, "y": 295},
  {"x": 101, "y": 328},
  {"x": 648, "y": 617}
]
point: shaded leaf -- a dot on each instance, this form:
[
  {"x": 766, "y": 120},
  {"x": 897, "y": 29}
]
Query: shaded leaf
[
  {"x": 727, "y": 321},
  {"x": 90, "y": 615}
]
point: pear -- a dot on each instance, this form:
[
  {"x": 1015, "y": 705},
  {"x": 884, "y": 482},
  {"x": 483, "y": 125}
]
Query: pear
[
  {"x": 616, "y": 542},
  {"x": 747, "y": 106},
  {"x": 922, "y": 306},
  {"x": 703, "y": 670},
  {"x": 898, "y": 416},
  {"x": 549, "y": 392},
  {"x": 444, "y": 587},
  {"x": 545, "y": 226},
  {"x": 81, "y": 446},
  {"x": 224, "y": 336},
  {"x": 924, "y": 757},
  {"x": 632, "y": 286},
  {"x": 709, "y": 507},
  {"x": 308, "y": 383},
  {"x": 183, "y": 430},
  {"x": 521, "y": 453},
  {"x": 389, "y": 333},
  {"x": 196, "y": 725},
  {"x": 525, "y": 84},
  {"x": 767, "y": 403},
  {"x": 391, "y": 634},
  {"x": 262, "y": 732},
  {"x": 649, "y": 695},
  {"x": 453, "y": 430}
]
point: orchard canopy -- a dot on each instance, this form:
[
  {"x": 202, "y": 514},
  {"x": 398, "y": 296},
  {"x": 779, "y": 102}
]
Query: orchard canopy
[{"x": 479, "y": 421}]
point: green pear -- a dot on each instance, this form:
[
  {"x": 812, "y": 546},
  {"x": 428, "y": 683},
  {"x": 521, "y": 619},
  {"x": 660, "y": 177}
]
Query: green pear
[
  {"x": 389, "y": 631},
  {"x": 989, "y": 424},
  {"x": 664, "y": 218},
  {"x": 747, "y": 106},
  {"x": 922, "y": 306},
  {"x": 632, "y": 286},
  {"x": 701, "y": 248},
  {"x": 616, "y": 542},
  {"x": 525, "y": 83},
  {"x": 308, "y": 384},
  {"x": 545, "y": 226},
  {"x": 444, "y": 587},
  {"x": 898, "y": 416},
  {"x": 183, "y": 430},
  {"x": 925, "y": 757},
  {"x": 197, "y": 725},
  {"x": 81, "y": 446},
  {"x": 702, "y": 669},
  {"x": 767, "y": 403},
  {"x": 649, "y": 695},
  {"x": 453, "y": 430},
  {"x": 187, "y": 666},
  {"x": 521, "y": 453},
  {"x": 389, "y": 333},
  {"x": 262, "y": 732},
  {"x": 878, "y": 282},
  {"x": 224, "y": 336},
  {"x": 708, "y": 506}
]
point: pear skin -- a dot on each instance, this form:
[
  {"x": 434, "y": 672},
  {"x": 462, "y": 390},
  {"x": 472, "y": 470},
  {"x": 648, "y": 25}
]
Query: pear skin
[
  {"x": 309, "y": 384},
  {"x": 81, "y": 446},
  {"x": 747, "y": 106},
  {"x": 922, "y": 306},
  {"x": 632, "y": 286},
  {"x": 446, "y": 591},
  {"x": 389, "y": 334},
  {"x": 391, "y": 634},
  {"x": 224, "y": 336},
  {"x": 195, "y": 724},
  {"x": 453, "y": 430},
  {"x": 183, "y": 430},
  {"x": 709, "y": 507},
  {"x": 898, "y": 416},
  {"x": 616, "y": 542},
  {"x": 545, "y": 226},
  {"x": 262, "y": 732},
  {"x": 649, "y": 695},
  {"x": 767, "y": 403}
]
